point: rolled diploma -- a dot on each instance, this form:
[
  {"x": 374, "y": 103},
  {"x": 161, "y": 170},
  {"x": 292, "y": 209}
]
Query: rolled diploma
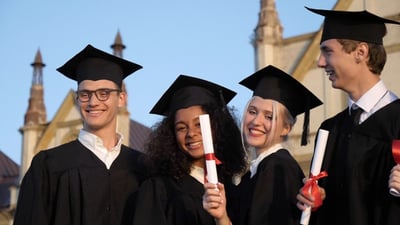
[
  {"x": 316, "y": 167},
  {"x": 208, "y": 148}
]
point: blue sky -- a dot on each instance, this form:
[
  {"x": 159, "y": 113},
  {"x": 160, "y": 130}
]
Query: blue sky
[{"x": 209, "y": 39}]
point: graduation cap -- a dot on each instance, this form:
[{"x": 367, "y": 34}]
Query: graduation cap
[
  {"x": 272, "y": 83},
  {"x": 354, "y": 25},
  {"x": 94, "y": 64},
  {"x": 188, "y": 91}
]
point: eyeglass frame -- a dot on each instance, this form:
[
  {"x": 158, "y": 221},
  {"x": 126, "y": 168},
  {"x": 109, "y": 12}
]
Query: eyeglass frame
[{"x": 90, "y": 93}]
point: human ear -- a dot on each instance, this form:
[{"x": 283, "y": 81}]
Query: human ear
[
  {"x": 361, "y": 52},
  {"x": 122, "y": 99}
]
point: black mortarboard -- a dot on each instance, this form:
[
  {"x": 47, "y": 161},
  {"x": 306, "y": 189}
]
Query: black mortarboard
[
  {"x": 188, "y": 91},
  {"x": 272, "y": 83},
  {"x": 354, "y": 25},
  {"x": 94, "y": 64}
]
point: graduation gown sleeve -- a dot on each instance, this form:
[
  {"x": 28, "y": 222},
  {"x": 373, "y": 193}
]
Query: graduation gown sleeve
[
  {"x": 166, "y": 201},
  {"x": 151, "y": 203},
  {"x": 357, "y": 183},
  {"x": 70, "y": 185},
  {"x": 270, "y": 196},
  {"x": 33, "y": 194}
]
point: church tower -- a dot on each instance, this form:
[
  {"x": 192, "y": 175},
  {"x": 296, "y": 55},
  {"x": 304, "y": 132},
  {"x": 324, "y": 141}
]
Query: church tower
[
  {"x": 123, "y": 114},
  {"x": 268, "y": 36},
  {"x": 35, "y": 116}
]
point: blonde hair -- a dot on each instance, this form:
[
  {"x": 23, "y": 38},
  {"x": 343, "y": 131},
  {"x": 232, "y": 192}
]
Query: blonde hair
[{"x": 278, "y": 111}]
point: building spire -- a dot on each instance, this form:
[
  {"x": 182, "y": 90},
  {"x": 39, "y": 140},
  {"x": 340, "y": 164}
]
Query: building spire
[
  {"x": 36, "y": 113},
  {"x": 118, "y": 46},
  {"x": 123, "y": 118},
  {"x": 38, "y": 69},
  {"x": 268, "y": 35},
  {"x": 268, "y": 18}
]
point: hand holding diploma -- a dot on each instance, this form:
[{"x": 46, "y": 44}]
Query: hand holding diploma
[
  {"x": 211, "y": 160},
  {"x": 311, "y": 187}
]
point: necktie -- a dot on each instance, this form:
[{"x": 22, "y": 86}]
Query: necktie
[{"x": 355, "y": 115}]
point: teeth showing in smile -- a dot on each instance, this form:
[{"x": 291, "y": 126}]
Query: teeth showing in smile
[
  {"x": 94, "y": 111},
  {"x": 255, "y": 131},
  {"x": 194, "y": 144},
  {"x": 329, "y": 73}
]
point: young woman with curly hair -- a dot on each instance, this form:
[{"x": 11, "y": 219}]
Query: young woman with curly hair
[{"x": 175, "y": 145}]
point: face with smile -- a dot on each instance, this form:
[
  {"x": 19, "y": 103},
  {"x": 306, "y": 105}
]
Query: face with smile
[
  {"x": 341, "y": 67},
  {"x": 261, "y": 128},
  {"x": 99, "y": 115},
  {"x": 188, "y": 132}
]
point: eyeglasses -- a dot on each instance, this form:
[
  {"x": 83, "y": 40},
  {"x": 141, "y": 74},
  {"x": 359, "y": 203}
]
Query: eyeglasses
[{"x": 102, "y": 94}]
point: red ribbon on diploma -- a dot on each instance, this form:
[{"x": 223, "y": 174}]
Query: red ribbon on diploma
[
  {"x": 396, "y": 151},
  {"x": 211, "y": 156},
  {"x": 311, "y": 187}
]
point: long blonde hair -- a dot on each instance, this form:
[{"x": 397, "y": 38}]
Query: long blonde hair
[{"x": 278, "y": 110}]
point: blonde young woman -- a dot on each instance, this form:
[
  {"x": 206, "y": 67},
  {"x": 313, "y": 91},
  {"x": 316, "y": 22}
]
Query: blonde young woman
[{"x": 267, "y": 192}]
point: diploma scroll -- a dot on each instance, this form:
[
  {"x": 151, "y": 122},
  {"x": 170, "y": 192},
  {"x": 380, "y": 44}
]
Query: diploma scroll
[
  {"x": 211, "y": 160},
  {"x": 396, "y": 156},
  {"x": 316, "y": 167}
]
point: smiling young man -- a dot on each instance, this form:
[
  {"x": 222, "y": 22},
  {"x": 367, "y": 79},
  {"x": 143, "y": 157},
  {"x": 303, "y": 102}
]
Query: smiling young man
[
  {"x": 94, "y": 179},
  {"x": 358, "y": 156}
]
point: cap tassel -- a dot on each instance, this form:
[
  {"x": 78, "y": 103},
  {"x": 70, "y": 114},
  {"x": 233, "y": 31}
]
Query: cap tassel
[
  {"x": 304, "y": 136},
  {"x": 306, "y": 126}
]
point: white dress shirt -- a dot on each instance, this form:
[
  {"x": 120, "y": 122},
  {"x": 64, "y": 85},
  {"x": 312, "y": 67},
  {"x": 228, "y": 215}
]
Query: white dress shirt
[
  {"x": 95, "y": 144},
  {"x": 374, "y": 99},
  {"x": 197, "y": 173}
]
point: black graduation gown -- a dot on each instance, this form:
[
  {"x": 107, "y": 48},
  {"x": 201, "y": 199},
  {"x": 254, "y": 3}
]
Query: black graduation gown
[
  {"x": 357, "y": 184},
  {"x": 70, "y": 185},
  {"x": 166, "y": 201},
  {"x": 269, "y": 197}
]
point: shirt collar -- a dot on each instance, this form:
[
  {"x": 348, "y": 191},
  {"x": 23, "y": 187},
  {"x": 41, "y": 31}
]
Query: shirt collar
[
  {"x": 96, "y": 146},
  {"x": 371, "y": 97},
  {"x": 91, "y": 141},
  {"x": 197, "y": 173},
  {"x": 254, "y": 163}
]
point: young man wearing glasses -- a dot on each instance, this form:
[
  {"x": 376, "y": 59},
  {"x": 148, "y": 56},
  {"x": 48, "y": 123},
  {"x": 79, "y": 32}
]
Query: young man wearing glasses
[{"x": 91, "y": 180}]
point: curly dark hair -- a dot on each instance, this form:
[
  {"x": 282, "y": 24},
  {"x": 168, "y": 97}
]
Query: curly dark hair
[{"x": 171, "y": 161}]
